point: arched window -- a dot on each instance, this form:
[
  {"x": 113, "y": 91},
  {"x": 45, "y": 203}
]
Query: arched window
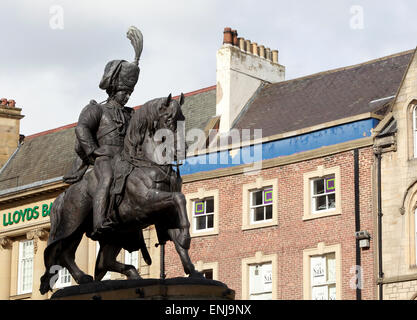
[
  {"x": 415, "y": 234},
  {"x": 415, "y": 131}
]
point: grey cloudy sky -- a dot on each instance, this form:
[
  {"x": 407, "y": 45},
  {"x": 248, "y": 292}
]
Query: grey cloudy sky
[{"x": 53, "y": 73}]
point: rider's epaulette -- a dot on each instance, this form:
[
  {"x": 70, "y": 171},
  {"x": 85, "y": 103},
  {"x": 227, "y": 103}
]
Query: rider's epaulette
[{"x": 93, "y": 102}]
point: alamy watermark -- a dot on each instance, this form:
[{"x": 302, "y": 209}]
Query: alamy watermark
[
  {"x": 235, "y": 147},
  {"x": 356, "y": 282},
  {"x": 56, "y": 19},
  {"x": 357, "y": 21}
]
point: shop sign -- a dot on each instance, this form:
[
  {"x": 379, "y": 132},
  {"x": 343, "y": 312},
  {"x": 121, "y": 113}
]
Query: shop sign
[{"x": 26, "y": 214}]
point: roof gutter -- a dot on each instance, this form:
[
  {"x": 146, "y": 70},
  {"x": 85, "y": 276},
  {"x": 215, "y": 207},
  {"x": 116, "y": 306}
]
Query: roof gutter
[{"x": 30, "y": 186}]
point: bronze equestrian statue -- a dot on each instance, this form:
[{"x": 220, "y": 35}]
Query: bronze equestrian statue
[{"x": 142, "y": 186}]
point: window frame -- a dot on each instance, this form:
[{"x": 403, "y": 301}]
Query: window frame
[
  {"x": 321, "y": 173},
  {"x": 252, "y": 207},
  {"x": 322, "y": 250},
  {"x": 203, "y": 194},
  {"x": 327, "y": 283},
  {"x": 315, "y": 196},
  {"x": 252, "y": 294},
  {"x": 20, "y": 274},
  {"x": 128, "y": 258},
  {"x": 259, "y": 259},
  {"x": 247, "y": 189},
  {"x": 63, "y": 272},
  {"x": 202, "y": 266},
  {"x": 205, "y": 215}
]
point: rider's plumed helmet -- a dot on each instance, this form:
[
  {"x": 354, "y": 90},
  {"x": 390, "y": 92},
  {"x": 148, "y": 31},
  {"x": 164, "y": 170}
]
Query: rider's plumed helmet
[{"x": 121, "y": 74}]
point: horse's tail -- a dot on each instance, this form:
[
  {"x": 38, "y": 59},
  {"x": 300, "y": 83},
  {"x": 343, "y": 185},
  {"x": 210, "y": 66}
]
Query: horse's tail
[
  {"x": 50, "y": 276},
  {"x": 55, "y": 215}
]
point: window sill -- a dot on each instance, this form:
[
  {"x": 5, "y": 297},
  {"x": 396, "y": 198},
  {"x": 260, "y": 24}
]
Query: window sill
[
  {"x": 260, "y": 225},
  {"x": 197, "y": 234},
  {"x": 22, "y": 296},
  {"x": 321, "y": 215}
]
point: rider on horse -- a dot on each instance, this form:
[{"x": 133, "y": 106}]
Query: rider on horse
[{"x": 101, "y": 130}]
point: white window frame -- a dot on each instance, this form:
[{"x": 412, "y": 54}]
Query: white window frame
[
  {"x": 315, "y": 196},
  {"x": 326, "y": 283},
  {"x": 252, "y": 207},
  {"x": 203, "y": 194},
  {"x": 261, "y": 295},
  {"x": 321, "y": 250},
  {"x": 205, "y": 215},
  {"x": 321, "y": 172},
  {"x": 21, "y": 270},
  {"x": 132, "y": 258},
  {"x": 63, "y": 274},
  {"x": 247, "y": 220},
  {"x": 259, "y": 259}
]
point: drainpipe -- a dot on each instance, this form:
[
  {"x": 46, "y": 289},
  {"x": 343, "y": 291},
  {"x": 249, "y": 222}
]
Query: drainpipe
[
  {"x": 380, "y": 272},
  {"x": 357, "y": 215}
]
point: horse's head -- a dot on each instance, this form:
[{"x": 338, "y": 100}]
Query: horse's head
[
  {"x": 170, "y": 113},
  {"x": 156, "y": 131}
]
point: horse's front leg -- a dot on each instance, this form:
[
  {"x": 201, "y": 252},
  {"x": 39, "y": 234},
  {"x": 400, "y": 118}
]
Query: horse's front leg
[{"x": 162, "y": 200}]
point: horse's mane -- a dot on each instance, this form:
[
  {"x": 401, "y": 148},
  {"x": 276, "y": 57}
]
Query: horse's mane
[{"x": 143, "y": 120}]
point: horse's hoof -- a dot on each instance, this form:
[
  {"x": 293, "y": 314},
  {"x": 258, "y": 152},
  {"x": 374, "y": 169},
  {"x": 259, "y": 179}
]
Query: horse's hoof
[
  {"x": 86, "y": 279},
  {"x": 132, "y": 274}
]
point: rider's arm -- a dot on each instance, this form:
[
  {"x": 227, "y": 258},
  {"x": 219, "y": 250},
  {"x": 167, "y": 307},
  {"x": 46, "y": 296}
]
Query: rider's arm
[{"x": 87, "y": 127}]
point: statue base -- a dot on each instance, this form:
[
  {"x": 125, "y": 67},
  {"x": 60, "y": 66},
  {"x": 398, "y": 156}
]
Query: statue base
[{"x": 148, "y": 289}]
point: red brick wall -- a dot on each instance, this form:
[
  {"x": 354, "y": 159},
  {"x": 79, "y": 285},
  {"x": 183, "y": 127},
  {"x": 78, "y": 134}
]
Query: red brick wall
[{"x": 292, "y": 235}]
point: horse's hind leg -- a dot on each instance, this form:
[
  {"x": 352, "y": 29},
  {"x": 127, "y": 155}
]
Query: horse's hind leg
[
  {"x": 106, "y": 261},
  {"x": 188, "y": 266},
  {"x": 68, "y": 259}
]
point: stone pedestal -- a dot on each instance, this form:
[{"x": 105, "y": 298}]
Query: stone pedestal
[{"x": 148, "y": 289}]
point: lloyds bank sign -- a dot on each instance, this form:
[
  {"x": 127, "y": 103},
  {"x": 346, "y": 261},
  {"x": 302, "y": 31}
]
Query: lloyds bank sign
[{"x": 26, "y": 214}]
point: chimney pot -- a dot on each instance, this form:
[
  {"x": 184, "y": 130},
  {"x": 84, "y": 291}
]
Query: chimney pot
[
  {"x": 275, "y": 56},
  {"x": 241, "y": 43},
  {"x": 227, "y": 36},
  {"x": 3, "y": 101},
  {"x": 234, "y": 35},
  {"x": 262, "y": 51},
  {"x": 248, "y": 46},
  {"x": 268, "y": 54},
  {"x": 11, "y": 103},
  {"x": 254, "y": 48}
]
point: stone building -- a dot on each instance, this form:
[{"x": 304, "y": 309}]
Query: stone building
[{"x": 288, "y": 214}]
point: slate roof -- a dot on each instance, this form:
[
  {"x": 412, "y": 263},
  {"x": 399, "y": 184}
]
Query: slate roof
[
  {"x": 49, "y": 154},
  {"x": 323, "y": 97}
]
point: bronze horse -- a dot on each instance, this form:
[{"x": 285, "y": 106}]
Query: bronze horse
[{"x": 151, "y": 196}]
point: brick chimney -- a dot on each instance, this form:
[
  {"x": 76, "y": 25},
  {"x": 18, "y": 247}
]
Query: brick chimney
[
  {"x": 9, "y": 129},
  {"x": 242, "y": 67}
]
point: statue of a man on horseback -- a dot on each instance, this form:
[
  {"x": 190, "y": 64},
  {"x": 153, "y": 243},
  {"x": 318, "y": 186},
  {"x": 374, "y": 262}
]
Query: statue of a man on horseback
[
  {"x": 101, "y": 130},
  {"x": 132, "y": 184}
]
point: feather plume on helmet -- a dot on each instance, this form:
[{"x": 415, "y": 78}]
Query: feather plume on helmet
[{"x": 121, "y": 74}]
